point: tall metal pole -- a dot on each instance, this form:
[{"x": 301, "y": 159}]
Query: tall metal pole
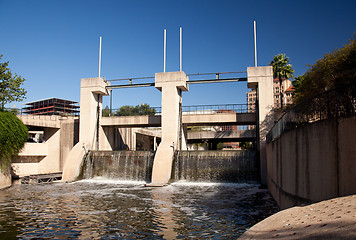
[
  {"x": 100, "y": 57},
  {"x": 164, "y": 51},
  {"x": 254, "y": 36},
  {"x": 180, "y": 49}
]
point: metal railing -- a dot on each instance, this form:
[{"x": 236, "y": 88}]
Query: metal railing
[
  {"x": 339, "y": 102},
  {"x": 203, "y": 109},
  {"x": 195, "y": 78},
  {"x": 220, "y": 108}
]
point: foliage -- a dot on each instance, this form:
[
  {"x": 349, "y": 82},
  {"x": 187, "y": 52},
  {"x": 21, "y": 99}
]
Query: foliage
[
  {"x": 143, "y": 109},
  {"x": 13, "y": 135},
  {"x": 220, "y": 146},
  {"x": 106, "y": 112},
  {"x": 10, "y": 86},
  {"x": 245, "y": 145},
  {"x": 281, "y": 70},
  {"x": 336, "y": 69},
  {"x": 15, "y": 111},
  {"x": 281, "y": 67}
]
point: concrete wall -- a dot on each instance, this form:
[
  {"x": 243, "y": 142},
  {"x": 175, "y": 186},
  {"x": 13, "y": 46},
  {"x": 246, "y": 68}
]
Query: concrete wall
[
  {"x": 115, "y": 138},
  {"x": 5, "y": 180},
  {"x": 49, "y": 156},
  {"x": 313, "y": 163}
]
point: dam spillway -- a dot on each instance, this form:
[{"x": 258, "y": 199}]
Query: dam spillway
[
  {"x": 233, "y": 166},
  {"x": 123, "y": 165}
]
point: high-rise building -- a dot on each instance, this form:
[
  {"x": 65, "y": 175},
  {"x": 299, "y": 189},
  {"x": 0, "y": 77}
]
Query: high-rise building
[{"x": 286, "y": 88}]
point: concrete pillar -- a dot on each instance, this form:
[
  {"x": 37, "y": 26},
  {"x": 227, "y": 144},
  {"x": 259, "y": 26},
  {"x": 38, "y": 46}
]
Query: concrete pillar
[
  {"x": 261, "y": 79},
  {"x": 91, "y": 92},
  {"x": 91, "y": 97},
  {"x": 171, "y": 84}
]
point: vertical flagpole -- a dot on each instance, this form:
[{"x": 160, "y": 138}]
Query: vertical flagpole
[
  {"x": 164, "y": 51},
  {"x": 180, "y": 49},
  {"x": 254, "y": 36},
  {"x": 100, "y": 57}
]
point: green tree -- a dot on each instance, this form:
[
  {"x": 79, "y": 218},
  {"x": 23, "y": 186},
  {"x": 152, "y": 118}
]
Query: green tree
[
  {"x": 281, "y": 70},
  {"x": 10, "y": 85},
  {"x": 333, "y": 70},
  {"x": 143, "y": 109},
  {"x": 106, "y": 112},
  {"x": 13, "y": 135}
]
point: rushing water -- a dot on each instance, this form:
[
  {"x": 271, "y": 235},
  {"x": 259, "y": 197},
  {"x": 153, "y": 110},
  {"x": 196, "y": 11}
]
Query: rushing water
[
  {"x": 192, "y": 166},
  {"x": 108, "y": 209},
  {"x": 216, "y": 166}
]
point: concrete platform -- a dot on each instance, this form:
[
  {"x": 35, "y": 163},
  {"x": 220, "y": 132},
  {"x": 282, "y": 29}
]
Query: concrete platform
[{"x": 331, "y": 219}]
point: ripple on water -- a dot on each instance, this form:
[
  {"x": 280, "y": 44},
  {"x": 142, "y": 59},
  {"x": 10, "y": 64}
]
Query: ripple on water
[{"x": 110, "y": 209}]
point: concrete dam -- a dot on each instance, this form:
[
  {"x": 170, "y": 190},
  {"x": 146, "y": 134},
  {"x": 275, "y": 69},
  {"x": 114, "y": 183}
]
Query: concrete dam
[
  {"x": 67, "y": 139},
  {"x": 191, "y": 166}
]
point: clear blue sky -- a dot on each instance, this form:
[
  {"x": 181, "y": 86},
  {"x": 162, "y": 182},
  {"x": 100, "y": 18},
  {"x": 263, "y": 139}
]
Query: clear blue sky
[{"x": 54, "y": 43}]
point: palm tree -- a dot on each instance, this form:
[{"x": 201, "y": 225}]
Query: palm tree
[{"x": 281, "y": 69}]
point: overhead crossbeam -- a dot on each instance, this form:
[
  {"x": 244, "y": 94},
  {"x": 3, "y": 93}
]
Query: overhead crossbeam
[
  {"x": 134, "y": 85},
  {"x": 152, "y": 84},
  {"x": 217, "y": 80}
]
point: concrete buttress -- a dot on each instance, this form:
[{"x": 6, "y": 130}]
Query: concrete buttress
[
  {"x": 171, "y": 84},
  {"x": 91, "y": 93},
  {"x": 261, "y": 79}
]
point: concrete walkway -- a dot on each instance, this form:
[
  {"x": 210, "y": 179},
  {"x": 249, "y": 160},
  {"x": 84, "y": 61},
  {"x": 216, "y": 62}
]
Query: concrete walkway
[{"x": 331, "y": 219}]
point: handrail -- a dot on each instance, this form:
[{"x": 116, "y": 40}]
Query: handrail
[{"x": 207, "y": 109}]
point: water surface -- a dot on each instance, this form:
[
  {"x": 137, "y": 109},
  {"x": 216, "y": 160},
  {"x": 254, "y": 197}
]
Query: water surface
[{"x": 108, "y": 209}]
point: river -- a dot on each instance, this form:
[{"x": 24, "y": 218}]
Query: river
[{"x": 110, "y": 209}]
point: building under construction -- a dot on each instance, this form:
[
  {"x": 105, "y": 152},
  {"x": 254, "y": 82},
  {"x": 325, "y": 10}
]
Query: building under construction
[{"x": 51, "y": 106}]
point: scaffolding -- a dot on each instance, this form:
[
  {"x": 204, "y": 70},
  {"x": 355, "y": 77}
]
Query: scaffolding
[{"x": 51, "y": 106}]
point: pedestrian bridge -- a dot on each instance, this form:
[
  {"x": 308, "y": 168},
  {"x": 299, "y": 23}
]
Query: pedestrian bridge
[
  {"x": 41, "y": 121},
  {"x": 212, "y": 119},
  {"x": 222, "y": 136}
]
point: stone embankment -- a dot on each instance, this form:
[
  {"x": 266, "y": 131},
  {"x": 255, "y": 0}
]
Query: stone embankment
[{"x": 330, "y": 219}]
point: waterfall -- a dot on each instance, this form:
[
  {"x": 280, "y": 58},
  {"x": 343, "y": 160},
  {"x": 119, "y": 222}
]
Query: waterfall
[
  {"x": 216, "y": 166},
  {"x": 238, "y": 166},
  {"x": 122, "y": 165}
]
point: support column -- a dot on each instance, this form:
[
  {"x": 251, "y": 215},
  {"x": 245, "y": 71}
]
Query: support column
[
  {"x": 91, "y": 93},
  {"x": 261, "y": 79},
  {"x": 91, "y": 98},
  {"x": 171, "y": 84}
]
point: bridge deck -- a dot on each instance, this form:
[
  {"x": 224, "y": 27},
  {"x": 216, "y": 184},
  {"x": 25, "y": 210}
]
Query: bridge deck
[
  {"x": 189, "y": 119},
  {"x": 222, "y": 136},
  {"x": 43, "y": 121}
]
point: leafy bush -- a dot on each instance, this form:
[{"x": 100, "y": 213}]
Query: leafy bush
[
  {"x": 13, "y": 135},
  {"x": 143, "y": 109}
]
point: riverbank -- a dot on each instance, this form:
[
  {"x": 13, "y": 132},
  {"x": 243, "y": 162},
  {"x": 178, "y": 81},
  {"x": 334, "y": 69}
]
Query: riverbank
[{"x": 330, "y": 219}]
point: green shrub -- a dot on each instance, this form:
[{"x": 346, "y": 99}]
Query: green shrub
[{"x": 13, "y": 135}]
